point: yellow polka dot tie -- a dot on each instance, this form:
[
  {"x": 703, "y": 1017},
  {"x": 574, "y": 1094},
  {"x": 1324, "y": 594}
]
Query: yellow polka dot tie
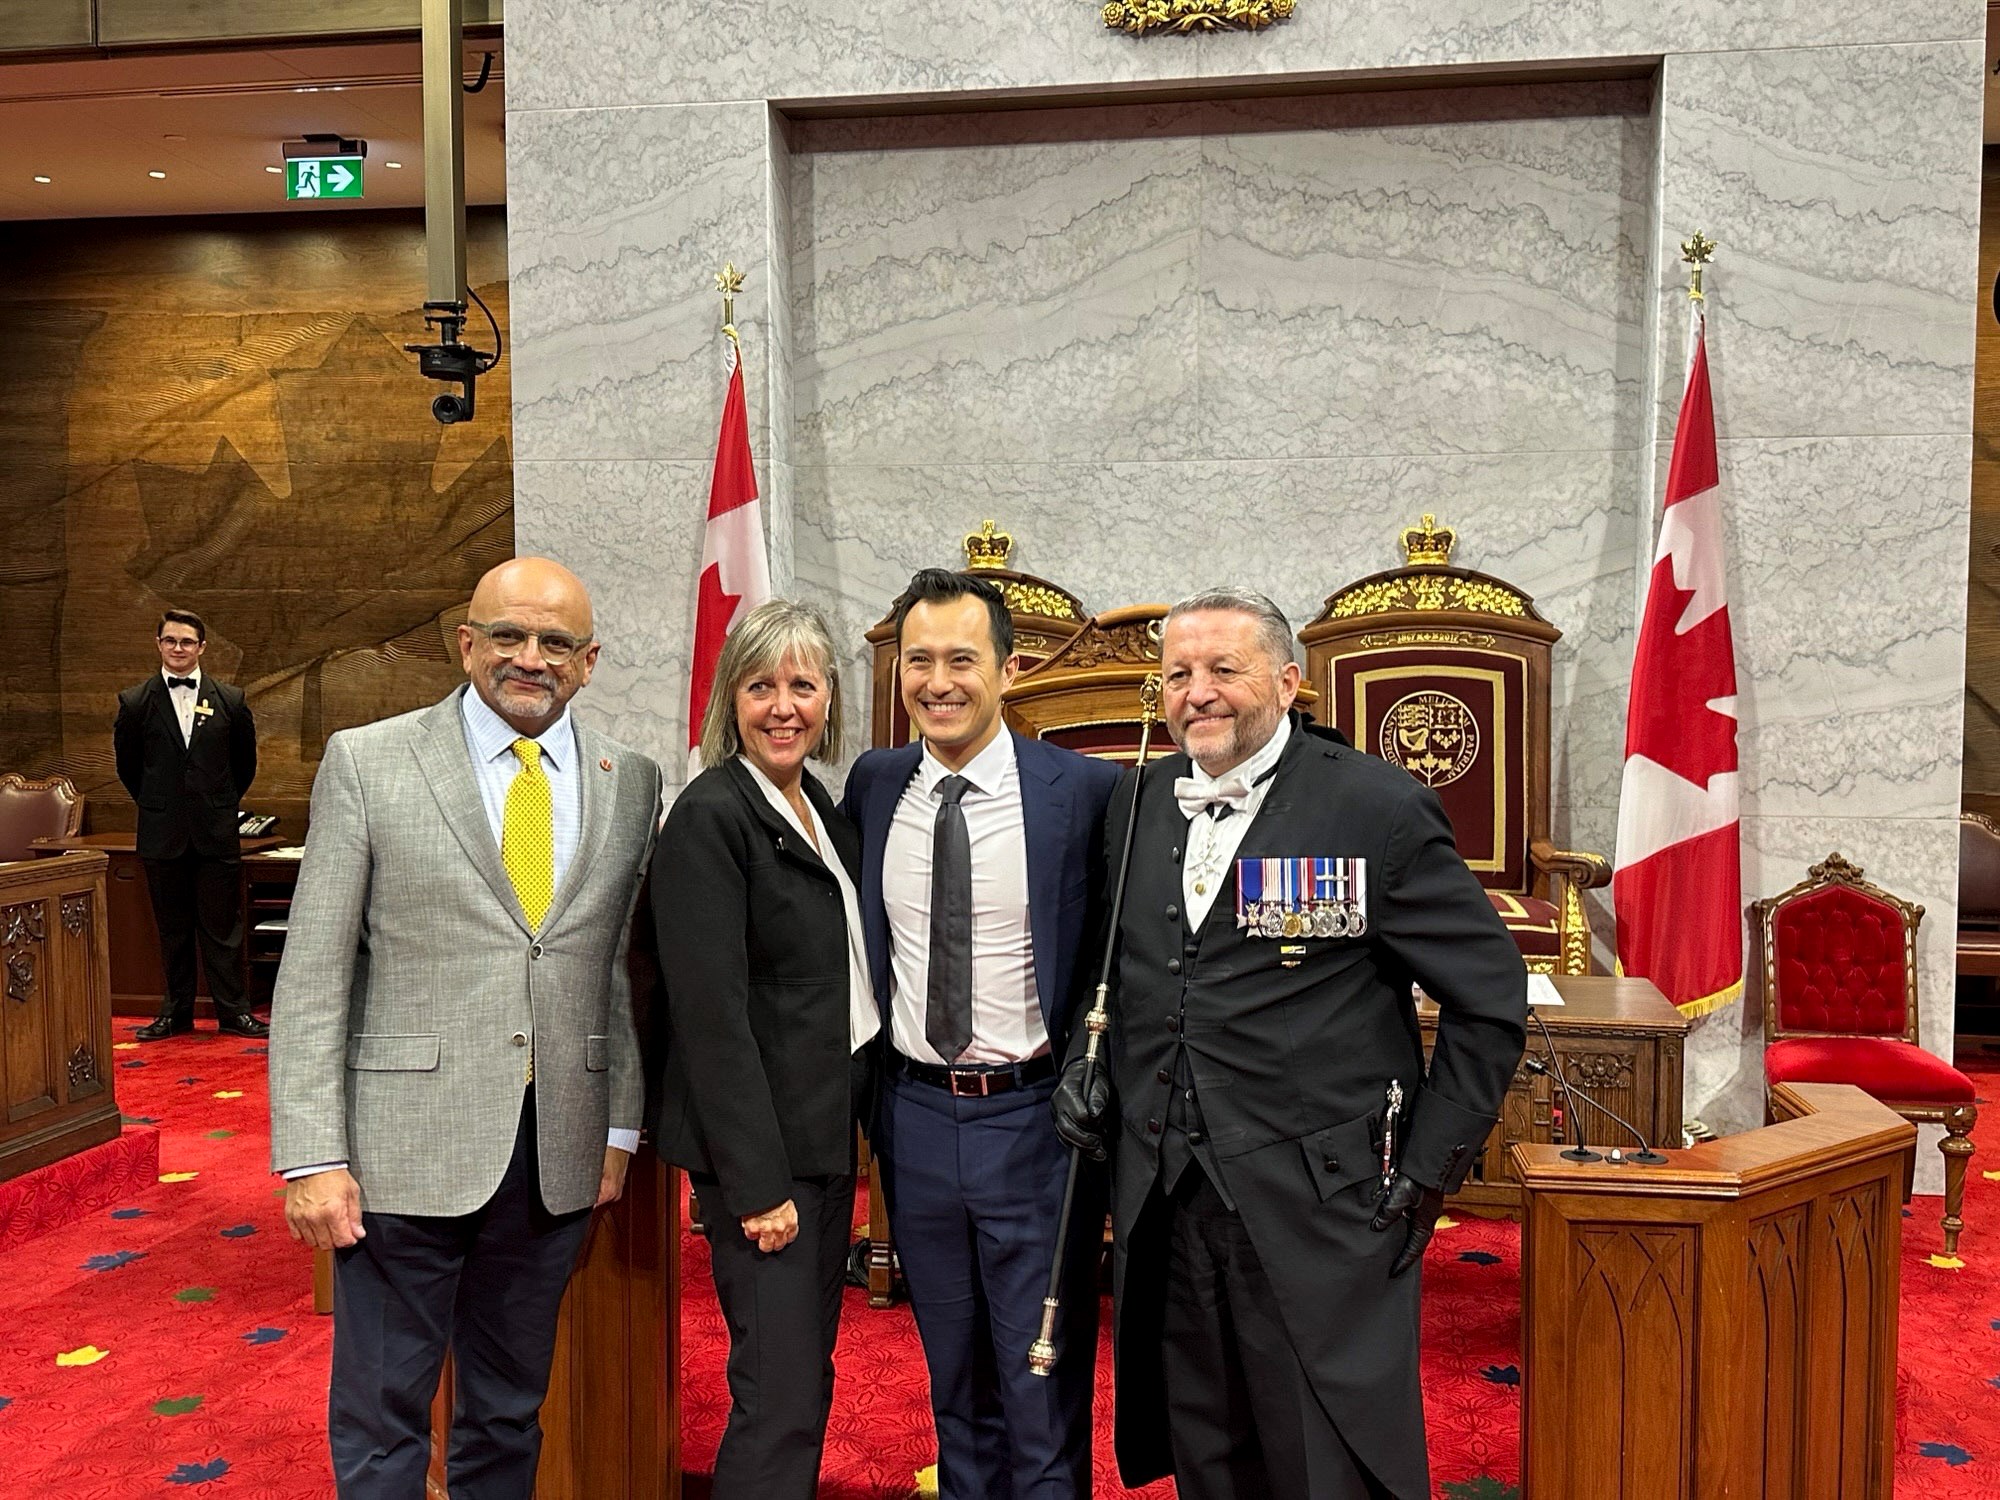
[
  {"x": 528, "y": 836},
  {"x": 528, "y": 841}
]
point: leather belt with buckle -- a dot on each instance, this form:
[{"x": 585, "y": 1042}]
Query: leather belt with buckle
[{"x": 979, "y": 1083}]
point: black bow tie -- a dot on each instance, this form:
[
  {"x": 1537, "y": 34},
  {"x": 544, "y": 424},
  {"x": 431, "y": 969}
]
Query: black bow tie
[{"x": 186, "y": 682}]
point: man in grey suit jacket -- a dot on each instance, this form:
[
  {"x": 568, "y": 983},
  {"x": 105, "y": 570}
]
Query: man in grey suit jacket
[{"x": 455, "y": 1078}]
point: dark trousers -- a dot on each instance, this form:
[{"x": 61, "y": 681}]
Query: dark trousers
[
  {"x": 488, "y": 1284},
  {"x": 975, "y": 1194},
  {"x": 199, "y": 901},
  {"x": 783, "y": 1312},
  {"x": 1242, "y": 1418}
]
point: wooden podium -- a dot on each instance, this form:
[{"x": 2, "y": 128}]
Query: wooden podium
[{"x": 1723, "y": 1325}]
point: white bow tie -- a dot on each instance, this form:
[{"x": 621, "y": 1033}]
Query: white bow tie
[{"x": 1197, "y": 797}]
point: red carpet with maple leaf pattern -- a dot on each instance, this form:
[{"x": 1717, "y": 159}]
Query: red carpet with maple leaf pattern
[{"x": 163, "y": 1343}]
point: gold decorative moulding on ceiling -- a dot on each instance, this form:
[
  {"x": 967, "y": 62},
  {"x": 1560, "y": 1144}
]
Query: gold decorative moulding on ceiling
[{"x": 1140, "y": 17}]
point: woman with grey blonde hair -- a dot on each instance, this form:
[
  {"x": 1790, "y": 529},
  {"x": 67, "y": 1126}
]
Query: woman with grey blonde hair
[{"x": 772, "y": 1028}]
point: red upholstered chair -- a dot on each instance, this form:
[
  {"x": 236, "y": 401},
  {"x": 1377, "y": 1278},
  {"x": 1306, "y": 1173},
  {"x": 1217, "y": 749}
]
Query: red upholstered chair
[{"x": 1840, "y": 1006}]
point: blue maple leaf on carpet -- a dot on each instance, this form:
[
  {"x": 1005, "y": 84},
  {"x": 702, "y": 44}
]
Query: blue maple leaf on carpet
[
  {"x": 256, "y": 1051},
  {"x": 138, "y": 1119},
  {"x": 5, "y": 1402},
  {"x": 128, "y": 1213},
  {"x": 1484, "y": 1487},
  {"x": 263, "y": 1335},
  {"x": 239, "y": 1231},
  {"x": 197, "y": 1080},
  {"x": 215, "y": 1468},
  {"x": 1995, "y": 1381},
  {"x": 1479, "y": 1257},
  {"x": 112, "y": 1261},
  {"x": 137, "y": 1062},
  {"x": 1503, "y": 1374},
  {"x": 1951, "y": 1453}
]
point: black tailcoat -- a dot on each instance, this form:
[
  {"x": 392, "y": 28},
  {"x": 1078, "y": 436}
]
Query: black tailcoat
[
  {"x": 187, "y": 791},
  {"x": 1292, "y": 1045}
]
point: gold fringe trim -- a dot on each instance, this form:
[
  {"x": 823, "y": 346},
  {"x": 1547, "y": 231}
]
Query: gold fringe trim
[{"x": 1694, "y": 1010}]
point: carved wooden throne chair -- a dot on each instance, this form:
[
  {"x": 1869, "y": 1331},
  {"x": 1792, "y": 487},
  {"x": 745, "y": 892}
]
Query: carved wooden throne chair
[
  {"x": 1839, "y": 961},
  {"x": 1445, "y": 672}
]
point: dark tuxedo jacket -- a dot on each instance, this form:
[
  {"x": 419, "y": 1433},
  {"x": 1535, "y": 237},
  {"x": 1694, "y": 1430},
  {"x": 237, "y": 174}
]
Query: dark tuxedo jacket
[
  {"x": 187, "y": 792},
  {"x": 1063, "y": 801},
  {"x": 1292, "y": 1045},
  {"x": 752, "y": 934}
]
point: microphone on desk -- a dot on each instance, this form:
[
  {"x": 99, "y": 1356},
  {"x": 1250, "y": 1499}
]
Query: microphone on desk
[
  {"x": 1645, "y": 1156},
  {"x": 1577, "y": 1150}
]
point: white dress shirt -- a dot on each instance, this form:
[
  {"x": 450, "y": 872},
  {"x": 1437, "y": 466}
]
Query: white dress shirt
[
  {"x": 1213, "y": 842},
  {"x": 1007, "y": 1021},
  {"x": 184, "y": 700},
  {"x": 864, "y": 1019}
]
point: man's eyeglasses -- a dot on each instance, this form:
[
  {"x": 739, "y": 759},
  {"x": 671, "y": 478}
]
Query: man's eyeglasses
[
  {"x": 179, "y": 643},
  {"x": 556, "y": 646}
]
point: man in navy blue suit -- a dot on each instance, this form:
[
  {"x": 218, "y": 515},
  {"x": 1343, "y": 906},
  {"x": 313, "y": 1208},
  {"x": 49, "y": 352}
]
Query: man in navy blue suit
[{"x": 981, "y": 869}]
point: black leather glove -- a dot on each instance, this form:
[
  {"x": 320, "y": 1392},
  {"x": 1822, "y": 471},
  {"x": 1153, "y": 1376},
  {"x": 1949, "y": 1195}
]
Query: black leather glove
[
  {"x": 1407, "y": 1200},
  {"x": 1083, "y": 1117}
]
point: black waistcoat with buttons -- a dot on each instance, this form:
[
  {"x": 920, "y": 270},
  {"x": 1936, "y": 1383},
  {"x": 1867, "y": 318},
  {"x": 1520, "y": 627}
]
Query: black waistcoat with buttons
[{"x": 1289, "y": 1046}]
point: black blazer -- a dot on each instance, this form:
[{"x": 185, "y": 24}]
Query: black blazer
[
  {"x": 187, "y": 791},
  {"x": 1292, "y": 1046},
  {"x": 754, "y": 1087}
]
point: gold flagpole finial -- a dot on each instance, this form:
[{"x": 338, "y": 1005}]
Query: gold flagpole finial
[
  {"x": 729, "y": 281},
  {"x": 1695, "y": 253}
]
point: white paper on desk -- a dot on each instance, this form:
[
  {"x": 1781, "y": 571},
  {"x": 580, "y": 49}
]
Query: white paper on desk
[{"x": 1542, "y": 990}]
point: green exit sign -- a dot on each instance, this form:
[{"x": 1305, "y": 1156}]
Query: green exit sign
[{"x": 323, "y": 177}]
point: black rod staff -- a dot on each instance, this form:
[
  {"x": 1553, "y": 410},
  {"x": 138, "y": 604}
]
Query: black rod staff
[{"x": 1096, "y": 1021}]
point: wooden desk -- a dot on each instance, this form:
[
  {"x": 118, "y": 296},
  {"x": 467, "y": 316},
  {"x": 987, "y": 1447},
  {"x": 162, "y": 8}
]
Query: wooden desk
[
  {"x": 137, "y": 984},
  {"x": 1618, "y": 1038},
  {"x": 55, "y": 1019},
  {"x": 1722, "y": 1327}
]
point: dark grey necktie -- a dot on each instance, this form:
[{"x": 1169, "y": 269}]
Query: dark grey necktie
[{"x": 948, "y": 1008}]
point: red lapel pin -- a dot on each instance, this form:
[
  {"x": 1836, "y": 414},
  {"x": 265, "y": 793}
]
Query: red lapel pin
[{"x": 605, "y": 764}]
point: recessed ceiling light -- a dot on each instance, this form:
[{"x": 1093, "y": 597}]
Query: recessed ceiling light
[
  {"x": 160, "y": 175},
  {"x": 274, "y": 169},
  {"x": 172, "y": 137},
  {"x": 396, "y": 164},
  {"x": 40, "y": 178}
]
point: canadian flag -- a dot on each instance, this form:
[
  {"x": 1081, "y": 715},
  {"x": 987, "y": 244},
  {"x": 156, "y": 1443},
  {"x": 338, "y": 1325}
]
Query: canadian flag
[
  {"x": 735, "y": 574},
  {"x": 1677, "y": 885}
]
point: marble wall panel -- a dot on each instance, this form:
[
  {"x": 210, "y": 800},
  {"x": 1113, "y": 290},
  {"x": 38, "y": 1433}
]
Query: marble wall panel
[
  {"x": 1425, "y": 271},
  {"x": 632, "y": 531},
  {"x": 618, "y": 222},
  {"x": 1843, "y": 186},
  {"x": 1007, "y": 290},
  {"x": 1849, "y": 623},
  {"x": 627, "y": 52}
]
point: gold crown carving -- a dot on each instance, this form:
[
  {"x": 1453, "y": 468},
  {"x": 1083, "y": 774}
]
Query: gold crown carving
[
  {"x": 987, "y": 548},
  {"x": 1428, "y": 543}
]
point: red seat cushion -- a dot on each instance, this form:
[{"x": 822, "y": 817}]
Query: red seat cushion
[
  {"x": 1534, "y": 925},
  {"x": 1889, "y": 1069}
]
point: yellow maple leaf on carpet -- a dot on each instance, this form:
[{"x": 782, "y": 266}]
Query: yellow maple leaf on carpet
[
  {"x": 124, "y": 1046},
  {"x": 179, "y": 1176},
  {"x": 1947, "y": 1262},
  {"x": 1991, "y": 1176},
  {"x": 1446, "y": 1221},
  {"x": 89, "y": 1354},
  {"x": 229, "y": 1093},
  {"x": 927, "y": 1481}
]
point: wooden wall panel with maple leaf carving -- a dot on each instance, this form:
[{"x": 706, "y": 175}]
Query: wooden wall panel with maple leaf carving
[{"x": 218, "y": 413}]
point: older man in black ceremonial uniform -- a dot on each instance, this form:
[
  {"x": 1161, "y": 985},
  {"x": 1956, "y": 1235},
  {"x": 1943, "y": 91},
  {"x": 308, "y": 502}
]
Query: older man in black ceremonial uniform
[{"x": 1281, "y": 1153}]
